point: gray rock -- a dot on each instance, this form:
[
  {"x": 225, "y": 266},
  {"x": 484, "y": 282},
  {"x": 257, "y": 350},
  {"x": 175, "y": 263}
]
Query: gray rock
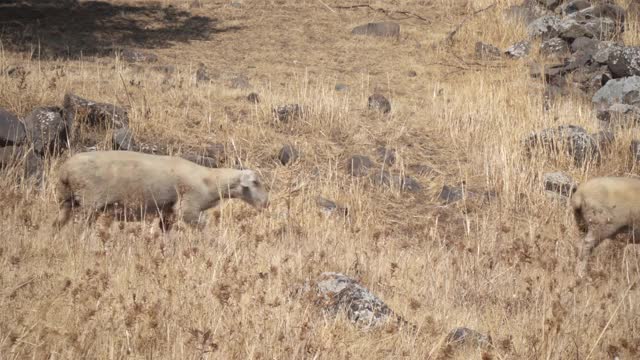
[
  {"x": 11, "y": 129},
  {"x": 342, "y": 87},
  {"x": 359, "y": 165},
  {"x": 201, "y": 160},
  {"x": 253, "y": 98},
  {"x": 47, "y": 130},
  {"x": 383, "y": 29},
  {"x": 581, "y": 24},
  {"x": 133, "y": 55},
  {"x": 288, "y": 112},
  {"x": 591, "y": 78},
  {"x": 93, "y": 113},
  {"x": 202, "y": 74},
  {"x": 558, "y": 183},
  {"x": 338, "y": 293},
  {"x": 545, "y": 27},
  {"x": 403, "y": 183},
  {"x": 624, "y": 61},
  {"x": 240, "y": 82},
  {"x": 122, "y": 139},
  {"x": 487, "y": 51},
  {"x": 519, "y": 49},
  {"x": 288, "y": 154},
  {"x": 574, "y": 140},
  {"x": 585, "y": 45},
  {"x": 617, "y": 91},
  {"x": 604, "y": 50},
  {"x": 549, "y": 72},
  {"x": 450, "y": 194},
  {"x": 386, "y": 156},
  {"x": 19, "y": 156},
  {"x": 550, "y": 4},
  {"x": 378, "y": 102},
  {"x": 619, "y": 115},
  {"x": 574, "y": 6},
  {"x": 463, "y": 336},
  {"x": 329, "y": 206},
  {"x": 412, "y": 73},
  {"x": 554, "y": 47}
]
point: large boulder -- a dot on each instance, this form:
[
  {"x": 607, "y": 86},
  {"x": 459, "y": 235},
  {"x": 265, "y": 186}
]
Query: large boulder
[
  {"x": 11, "y": 129},
  {"x": 23, "y": 158},
  {"x": 618, "y": 91},
  {"x": 80, "y": 110},
  {"x": 47, "y": 130}
]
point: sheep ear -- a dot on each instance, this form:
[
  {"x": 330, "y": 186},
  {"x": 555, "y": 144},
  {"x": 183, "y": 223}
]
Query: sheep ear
[{"x": 247, "y": 177}]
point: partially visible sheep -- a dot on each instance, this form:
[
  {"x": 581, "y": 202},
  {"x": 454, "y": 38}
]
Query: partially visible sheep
[
  {"x": 603, "y": 208},
  {"x": 136, "y": 184}
]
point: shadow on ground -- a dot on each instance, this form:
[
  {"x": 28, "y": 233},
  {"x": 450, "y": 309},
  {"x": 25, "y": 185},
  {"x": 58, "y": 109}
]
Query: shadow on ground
[{"x": 69, "y": 29}]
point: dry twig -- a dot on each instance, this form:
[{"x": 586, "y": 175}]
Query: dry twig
[{"x": 384, "y": 11}]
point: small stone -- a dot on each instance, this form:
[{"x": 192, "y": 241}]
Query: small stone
[
  {"x": 466, "y": 336},
  {"x": 386, "y": 156},
  {"x": 382, "y": 29},
  {"x": 329, "y": 206},
  {"x": 545, "y": 27},
  {"x": 253, "y": 98},
  {"x": 359, "y": 165},
  {"x": 288, "y": 154},
  {"x": 122, "y": 139},
  {"x": 450, "y": 194},
  {"x": 288, "y": 112},
  {"x": 486, "y": 51},
  {"x": 519, "y": 49},
  {"x": 378, "y": 102},
  {"x": 202, "y": 75},
  {"x": 342, "y": 87},
  {"x": 412, "y": 73},
  {"x": 558, "y": 183}
]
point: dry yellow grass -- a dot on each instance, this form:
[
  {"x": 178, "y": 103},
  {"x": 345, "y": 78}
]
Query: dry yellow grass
[{"x": 504, "y": 267}]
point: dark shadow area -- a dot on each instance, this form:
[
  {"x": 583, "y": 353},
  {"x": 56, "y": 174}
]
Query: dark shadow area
[{"x": 69, "y": 29}]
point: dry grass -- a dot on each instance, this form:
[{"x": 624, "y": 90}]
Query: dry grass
[{"x": 504, "y": 267}]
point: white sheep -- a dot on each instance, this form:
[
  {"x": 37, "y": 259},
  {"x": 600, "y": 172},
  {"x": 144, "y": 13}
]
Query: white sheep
[
  {"x": 603, "y": 208},
  {"x": 134, "y": 185}
]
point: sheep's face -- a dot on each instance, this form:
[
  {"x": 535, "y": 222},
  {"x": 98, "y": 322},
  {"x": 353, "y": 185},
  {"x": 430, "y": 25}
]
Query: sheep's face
[{"x": 252, "y": 190}]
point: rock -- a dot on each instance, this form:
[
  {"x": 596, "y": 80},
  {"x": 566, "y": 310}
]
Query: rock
[
  {"x": 253, "y": 98},
  {"x": 201, "y": 160},
  {"x": 604, "y": 50},
  {"x": 386, "y": 156},
  {"x": 519, "y": 49},
  {"x": 591, "y": 78},
  {"x": 619, "y": 115},
  {"x": 545, "y": 27},
  {"x": 342, "y": 87},
  {"x": 549, "y": 73},
  {"x": 359, "y": 165},
  {"x": 122, "y": 139},
  {"x": 558, "y": 183},
  {"x": 93, "y": 113},
  {"x": 11, "y": 129},
  {"x": 338, "y": 293},
  {"x": 329, "y": 207},
  {"x": 288, "y": 154},
  {"x": 468, "y": 337},
  {"x": 582, "y": 25},
  {"x": 240, "y": 82},
  {"x": 202, "y": 75},
  {"x": 487, "y": 51},
  {"x": 635, "y": 150},
  {"x": 450, "y": 194},
  {"x": 31, "y": 164},
  {"x": 613, "y": 12},
  {"x": 624, "y": 61},
  {"x": 412, "y": 73},
  {"x": 378, "y": 102},
  {"x": 403, "y": 183},
  {"x": 47, "y": 130},
  {"x": 383, "y": 29},
  {"x": 554, "y": 47},
  {"x": 133, "y": 55},
  {"x": 617, "y": 91},
  {"x": 574, "y": 140},
  {"x": 550, "y": 4},
  {"x": 288, "y": 112},
  {"x": 585, "y": 45},
  {"x": 574, "y": 6}
]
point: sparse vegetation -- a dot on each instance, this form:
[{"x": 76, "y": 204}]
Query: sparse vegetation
[{"x": 500, "y": 260}]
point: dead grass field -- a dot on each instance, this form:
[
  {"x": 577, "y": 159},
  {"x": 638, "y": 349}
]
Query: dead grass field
[{"x": 503, "y": 267}]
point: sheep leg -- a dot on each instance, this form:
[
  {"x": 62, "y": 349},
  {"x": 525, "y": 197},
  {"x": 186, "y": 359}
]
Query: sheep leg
[
  {"x": 589, "y": 242},
  {"x": 188, "y": 210},
  {"x": 64, "y": 215}
]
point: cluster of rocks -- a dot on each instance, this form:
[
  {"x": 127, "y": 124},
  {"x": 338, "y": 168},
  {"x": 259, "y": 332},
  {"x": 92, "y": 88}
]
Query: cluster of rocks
[
  {"x": 79, "y": 124},
  {"x": 583, "y": 41},
  {"x": 336, "y": 293}
]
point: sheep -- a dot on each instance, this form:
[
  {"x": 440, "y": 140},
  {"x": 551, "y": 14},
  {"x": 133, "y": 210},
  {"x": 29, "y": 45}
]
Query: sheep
[
  {"x": 603, "y": 208},
  {"x": 134, "y": 184}
]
